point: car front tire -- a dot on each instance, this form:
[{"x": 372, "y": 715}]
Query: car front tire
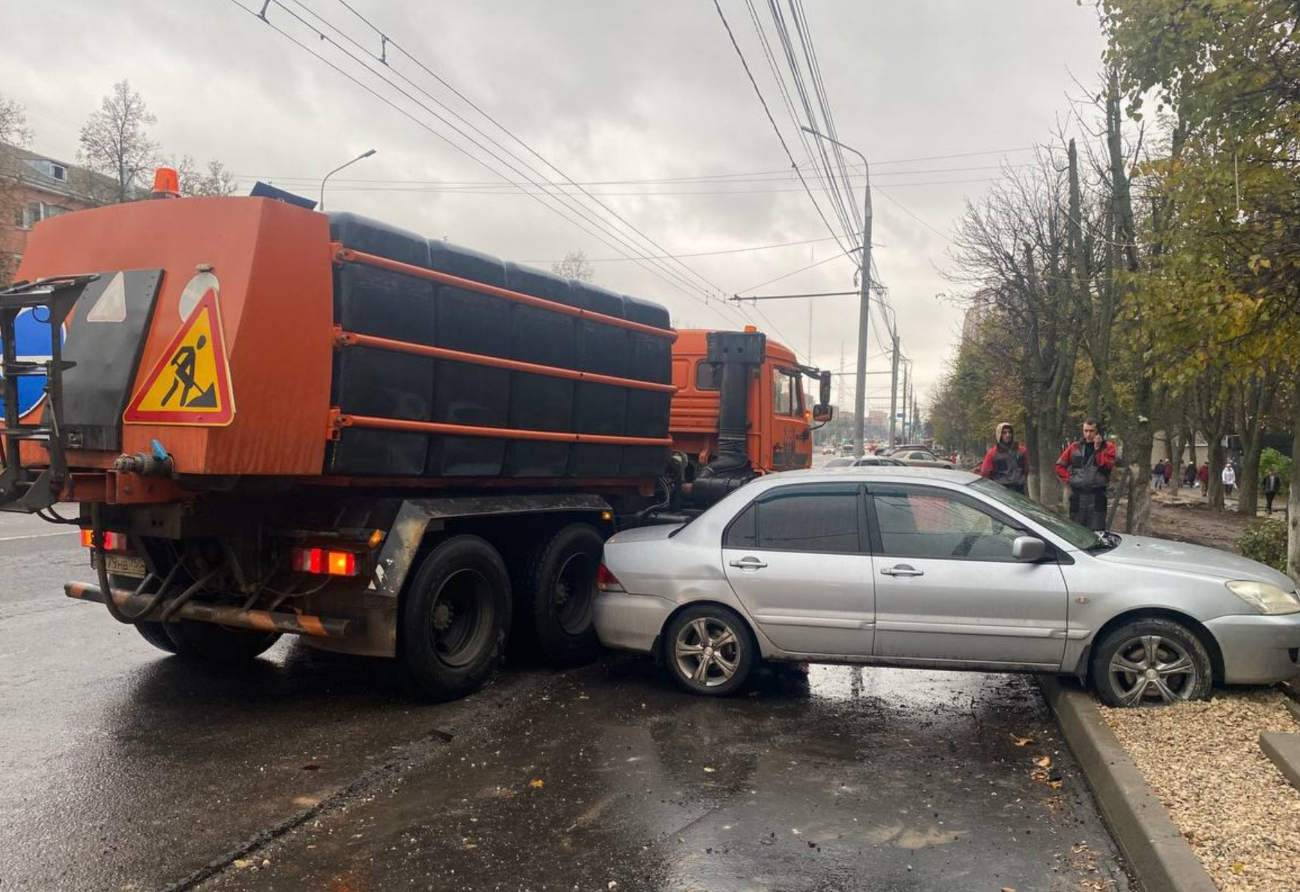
[
  {"x": 709, "y": 650},
  {"x": 1151, "y": 661}
]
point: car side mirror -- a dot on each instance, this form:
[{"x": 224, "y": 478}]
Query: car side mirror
[
  {"x": 823, "y": 413},
  {"x": 1028, "y": 549}
]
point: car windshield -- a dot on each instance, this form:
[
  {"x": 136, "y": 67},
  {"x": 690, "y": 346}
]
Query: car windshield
[{"x": 1077, "y": 535}]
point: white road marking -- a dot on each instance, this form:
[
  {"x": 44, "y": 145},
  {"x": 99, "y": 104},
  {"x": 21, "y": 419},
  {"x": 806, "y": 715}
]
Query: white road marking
[{"x": 39, "y": 535}]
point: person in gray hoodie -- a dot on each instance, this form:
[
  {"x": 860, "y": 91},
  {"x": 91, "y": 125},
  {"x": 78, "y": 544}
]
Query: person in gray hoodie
[{"x": 1008, "y": 461}]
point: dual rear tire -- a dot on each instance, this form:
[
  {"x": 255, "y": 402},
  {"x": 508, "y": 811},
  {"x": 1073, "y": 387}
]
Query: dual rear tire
[{"x": 456, "y": 613}]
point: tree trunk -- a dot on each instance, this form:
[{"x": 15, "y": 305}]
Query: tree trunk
[
  {"x": 1189, "y": 436},
  {"x": 1250, "y": 427},
  {"x": 1217, "y": 460},
  {"x": 1293, "y": 493},
  {"x": 1034, "y": 483},
  {"x": 1174, "y": 450}
]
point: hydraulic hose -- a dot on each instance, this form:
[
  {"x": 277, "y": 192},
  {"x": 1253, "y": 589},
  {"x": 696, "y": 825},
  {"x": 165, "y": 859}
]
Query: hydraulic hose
[{"x": 101, "y": 566}]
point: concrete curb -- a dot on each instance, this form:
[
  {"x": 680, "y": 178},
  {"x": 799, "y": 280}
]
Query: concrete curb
[
  {"x": 1284, "y": 749},
  {"x": 1155, "y": 851}
]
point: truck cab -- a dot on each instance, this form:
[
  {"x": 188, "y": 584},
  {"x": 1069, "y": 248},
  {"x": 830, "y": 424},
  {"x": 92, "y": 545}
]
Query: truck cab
[{"x": 779, "y": 409}]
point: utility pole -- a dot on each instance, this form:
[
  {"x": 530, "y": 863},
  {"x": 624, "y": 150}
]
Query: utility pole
[
  {"x": 893, "y": 394},
  {"x": 864, "y": 306},
  {"x": 905, "y": 370}
]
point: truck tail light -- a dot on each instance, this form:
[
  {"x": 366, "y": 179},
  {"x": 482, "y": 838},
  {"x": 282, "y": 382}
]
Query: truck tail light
[
  {"x": 607, "y": 581},
  {"x": 112, "y": 541},
  {"x": 322, "y": 561}
]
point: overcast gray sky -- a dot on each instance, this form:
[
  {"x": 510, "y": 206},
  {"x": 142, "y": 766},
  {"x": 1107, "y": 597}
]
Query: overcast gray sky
[{"x": 639, "y": 99}]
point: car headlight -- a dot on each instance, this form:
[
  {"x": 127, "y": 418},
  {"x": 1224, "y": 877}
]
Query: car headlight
[{"x": 1268, "y": 599}]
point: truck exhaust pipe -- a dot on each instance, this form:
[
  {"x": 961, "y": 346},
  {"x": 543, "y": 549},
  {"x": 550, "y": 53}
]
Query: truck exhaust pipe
[{"x": 737, "y": 353}]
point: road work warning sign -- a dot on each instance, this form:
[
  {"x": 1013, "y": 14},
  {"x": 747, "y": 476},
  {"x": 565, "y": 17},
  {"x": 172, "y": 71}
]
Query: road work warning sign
[{"x": 190, "y": 383}]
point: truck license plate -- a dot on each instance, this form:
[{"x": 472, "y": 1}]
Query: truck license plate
[{"x": 122, "y": 564}]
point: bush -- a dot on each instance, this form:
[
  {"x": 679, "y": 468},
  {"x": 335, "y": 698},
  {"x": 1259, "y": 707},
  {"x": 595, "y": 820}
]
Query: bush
[{"x": 1265, "y": 542}]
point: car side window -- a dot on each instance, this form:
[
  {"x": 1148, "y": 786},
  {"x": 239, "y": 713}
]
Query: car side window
[
  {"x": 819, "y": 519},
  {"x": 932, "y": 523},
  {"x": 743, "y": 532}
]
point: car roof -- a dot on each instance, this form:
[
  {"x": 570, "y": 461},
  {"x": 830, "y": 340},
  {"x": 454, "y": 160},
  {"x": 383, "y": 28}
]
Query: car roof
[{"x": 871, "y": 472}]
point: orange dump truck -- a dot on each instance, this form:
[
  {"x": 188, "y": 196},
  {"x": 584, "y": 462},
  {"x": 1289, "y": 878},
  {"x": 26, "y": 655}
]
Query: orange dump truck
[{"x": 280, "y": 421}]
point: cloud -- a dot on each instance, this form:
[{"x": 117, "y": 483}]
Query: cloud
[{"x": 607, "y": 91}]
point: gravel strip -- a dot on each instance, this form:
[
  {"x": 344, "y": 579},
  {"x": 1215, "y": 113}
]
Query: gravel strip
[{"x": 1235, "y": 808}]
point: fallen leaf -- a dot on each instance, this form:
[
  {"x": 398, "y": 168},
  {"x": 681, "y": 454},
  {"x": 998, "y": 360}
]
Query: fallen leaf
[
  {"x": 537, "y": 784},
  {"x": 709, "y": 770},
  {"x": 242, "y": 863},
  {"x": 1238, "y": 867},
  {"x": 1055, "y": 784},
  {"x": 1043, "y": 761},
  {"x": 1008, "y": 889},
  {"x": 1039, "y": 774},
  {"x": 1022, "y": 741}
]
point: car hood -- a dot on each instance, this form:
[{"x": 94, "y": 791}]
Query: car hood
[
  {"x": 644, "y": 534},
  {"x": 1165, "y": 554}
]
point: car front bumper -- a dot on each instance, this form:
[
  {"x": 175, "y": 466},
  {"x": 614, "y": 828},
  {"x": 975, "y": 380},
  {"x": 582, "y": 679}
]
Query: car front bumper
[
  {"x": 1258, "y": 649},
  {"x": 631, "y": 622}
]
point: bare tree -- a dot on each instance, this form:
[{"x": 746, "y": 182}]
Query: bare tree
[
  {"x": 13, "y": 123},
  {"x": 196, "y": 182},
  {"x": 114, "y": 142},
  {"x": 575, "y": 266}
]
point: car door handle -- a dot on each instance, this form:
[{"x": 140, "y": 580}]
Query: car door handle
[
  {"x": 901, "y": 570},
  {"x": 749, "y": 563}
]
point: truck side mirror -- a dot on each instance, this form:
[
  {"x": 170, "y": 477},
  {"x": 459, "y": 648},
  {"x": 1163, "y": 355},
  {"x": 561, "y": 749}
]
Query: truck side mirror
[
  {"x": 823, "y": 413},
  {"x": 824, "y": 393}
]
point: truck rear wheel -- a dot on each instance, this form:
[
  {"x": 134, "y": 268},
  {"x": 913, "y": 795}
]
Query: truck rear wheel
[
  {"x": 454, "y": 618},
  {"x": 216, "y": 644},
  {"x": 559, "y": 583},
  {"x": 154, "y": 633}
]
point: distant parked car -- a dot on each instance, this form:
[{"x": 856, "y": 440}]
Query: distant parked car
[
  {"x": 920, "y": 457},
  {"x": 877, "y": 461},
  {"x": 846, "y": 449},
  {"x": 939, "y": 569}
]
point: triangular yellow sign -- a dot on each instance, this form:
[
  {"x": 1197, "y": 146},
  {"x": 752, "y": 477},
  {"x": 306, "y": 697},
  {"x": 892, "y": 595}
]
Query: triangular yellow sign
[{"x": 190, "y": 383}]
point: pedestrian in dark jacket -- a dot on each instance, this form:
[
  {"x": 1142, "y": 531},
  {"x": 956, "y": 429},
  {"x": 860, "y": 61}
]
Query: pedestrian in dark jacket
[
  {"x": 1008, "y": 461},
  {"x": 1086, "y": 465},
  {"x": 1189, "y": 475},
  {"x": 1272, "y": 483}
]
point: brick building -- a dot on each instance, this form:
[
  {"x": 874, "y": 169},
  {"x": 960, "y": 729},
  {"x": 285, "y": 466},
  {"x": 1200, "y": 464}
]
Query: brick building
[{"x": 33, "y": 188}]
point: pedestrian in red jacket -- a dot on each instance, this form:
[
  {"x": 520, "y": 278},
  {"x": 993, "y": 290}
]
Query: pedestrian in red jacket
[
  {"x": 1008, "y": 461},
  {"x": 1086, "y": 465}
]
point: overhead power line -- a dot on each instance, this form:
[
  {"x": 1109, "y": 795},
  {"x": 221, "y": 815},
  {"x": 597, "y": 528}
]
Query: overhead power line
[
  {"x": 604, "y": 233},
  {"x": 772, "y": 121}
]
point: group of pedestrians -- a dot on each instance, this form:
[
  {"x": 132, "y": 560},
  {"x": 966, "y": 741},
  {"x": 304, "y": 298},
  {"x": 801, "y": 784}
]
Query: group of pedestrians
[
  {"x": 1085, "y": 466},
  {"x": 1162, "y": 474}
]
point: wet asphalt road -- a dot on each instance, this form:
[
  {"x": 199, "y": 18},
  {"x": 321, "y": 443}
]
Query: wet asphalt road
[{"x": 126, "y": 769}]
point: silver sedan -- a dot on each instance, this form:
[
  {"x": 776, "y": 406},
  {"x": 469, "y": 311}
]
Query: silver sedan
[{"x": 939, "y": 569}]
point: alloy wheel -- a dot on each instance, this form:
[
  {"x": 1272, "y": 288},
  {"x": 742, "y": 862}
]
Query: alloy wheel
[
  {"x": 1152, "y": 667},
  {"x": 708, "y": 651}
]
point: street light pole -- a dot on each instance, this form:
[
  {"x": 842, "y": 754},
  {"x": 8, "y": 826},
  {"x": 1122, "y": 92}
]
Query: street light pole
[
  {"x": 893, "y": 393},
  {"x": 365, "y": 154},
  {"x": 860, "y": 396}
]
